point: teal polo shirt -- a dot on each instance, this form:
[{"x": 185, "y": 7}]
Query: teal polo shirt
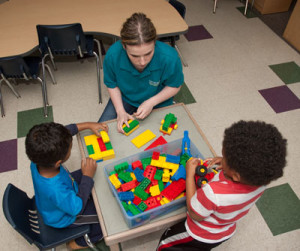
[{"x": 164, "y": 69}]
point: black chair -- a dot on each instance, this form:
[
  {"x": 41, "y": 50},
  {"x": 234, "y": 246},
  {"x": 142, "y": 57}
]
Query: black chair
[
  {"x": 68, "y": 40},
  {"x": 27, "y": 68},
  {"x": 181, "y": 9},
  {"x": 20, "y": 211}
]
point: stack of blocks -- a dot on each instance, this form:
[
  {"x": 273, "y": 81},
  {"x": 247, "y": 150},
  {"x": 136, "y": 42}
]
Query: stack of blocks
[
  {"x": 99, "y": 148},
  {"x": 133, "y": 125},
  {"x": 168, "y": 124},
  {"x": 150, "y": 182}
]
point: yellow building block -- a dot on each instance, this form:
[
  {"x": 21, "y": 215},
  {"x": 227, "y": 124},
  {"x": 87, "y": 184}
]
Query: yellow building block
[
  {"x": 90, "y": 139},
  {"x": 115, "y": 181},
  {"x": 154, "y": 190},
  {"x": 164, "y": 200},
  {"x": 143, "y": 138},
  {"x": 104, "y": 136},
  {"x": 166, "y": 175},
  {"x": 170, "y": 129}
]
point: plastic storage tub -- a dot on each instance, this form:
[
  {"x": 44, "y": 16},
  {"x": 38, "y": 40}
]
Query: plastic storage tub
[{"x": 173, "y": 148}]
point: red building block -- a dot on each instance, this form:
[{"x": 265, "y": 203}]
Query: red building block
[
  {"x": 151, "y": 203},
  {"x": 158, "y": 142},
  {"x": 101, "y": 144},
  {"x": 137, "y": 200},
  {"x": 155, "y": 155},
  {"x": 128, "y": 185},
  {"x": 174, "y": 189},
  {"x": 150, "y": 172},
  {"x": 137, "y": 164}
]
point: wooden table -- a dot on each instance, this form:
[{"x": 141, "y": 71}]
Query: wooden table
[
  {"x": 113, "y": 225},
  {"x": 18, "y": 19}
]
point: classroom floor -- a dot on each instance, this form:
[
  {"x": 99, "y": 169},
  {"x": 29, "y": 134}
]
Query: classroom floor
[{"x": 238, "y": 68}]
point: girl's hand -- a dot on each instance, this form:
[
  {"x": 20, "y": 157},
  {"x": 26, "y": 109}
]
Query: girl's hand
[
  {"x": 144, "y": 110},
  {"x": 123, "y": 119}
]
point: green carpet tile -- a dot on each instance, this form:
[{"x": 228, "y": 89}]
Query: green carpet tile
[
  {"x": 249, "y": 14},
  {"x": 288, "y": 72},
  {"x": 280, "y": 208},
  {"x": 29, "y": 118},
  {"x": 184, "y": 96}
]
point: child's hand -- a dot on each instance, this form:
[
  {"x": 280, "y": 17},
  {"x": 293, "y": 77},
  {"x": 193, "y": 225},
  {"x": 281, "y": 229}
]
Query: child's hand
[
  {"x": 215, "y": 161},
  {"x": 88, "y": 167},
  {"x": 191, "y": 167},
  {"x": 96, "y": 127}
]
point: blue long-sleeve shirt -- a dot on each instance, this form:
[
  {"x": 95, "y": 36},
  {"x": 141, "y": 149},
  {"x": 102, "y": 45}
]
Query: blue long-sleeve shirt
[{"x": 60, "y": 199}]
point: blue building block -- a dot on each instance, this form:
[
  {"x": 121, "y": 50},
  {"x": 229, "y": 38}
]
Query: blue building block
[
  {"x": 129, "y": 169},
  {"x": 180, "y": 173},
  {"x": 138, "y": 174},
  {"x": 126, "y": 196},
  {"x": 186, "y": 143},
  {"x": 172, "y": 158}
]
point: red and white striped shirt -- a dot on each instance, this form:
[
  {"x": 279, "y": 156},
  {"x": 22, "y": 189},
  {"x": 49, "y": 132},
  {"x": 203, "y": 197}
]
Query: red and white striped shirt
[{"x": 221, "y": 203}]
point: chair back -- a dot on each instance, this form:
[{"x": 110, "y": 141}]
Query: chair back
[
  {"x": 67, "y": 39},
  {"x": 180, "y": 7},
  {"x": 17, "y": 208},
  {"x": 14, "y": 67},
  {"x": 20, "y": 211}
]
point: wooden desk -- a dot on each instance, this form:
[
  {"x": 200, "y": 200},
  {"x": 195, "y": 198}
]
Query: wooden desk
[
  {"x": 18, "y": 19},
  {"x": 113, "y": 225}
]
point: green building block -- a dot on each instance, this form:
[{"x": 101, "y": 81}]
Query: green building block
[
  {"x": 121, "y": 167},
  {"x": 158, "y": 174},
  {"x": 124, "y": 204},
  {"x": 161, "y": 185},
  {"x": 108, "y": 146},
  {"x": 125, "y": 176},
  {"x": 146, "y": 162},
  {"x": 132, "y": 208},
  {"x": 144, "y": 183},
  {"x": 142, "y": 206},
  {"x": 132, "y": 125},
  {"x": 141, "y": 193},
  {"x": 90, "y": 149}
]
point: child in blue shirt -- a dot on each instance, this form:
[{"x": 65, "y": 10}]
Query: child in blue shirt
[{"x": 61, "y": 197}]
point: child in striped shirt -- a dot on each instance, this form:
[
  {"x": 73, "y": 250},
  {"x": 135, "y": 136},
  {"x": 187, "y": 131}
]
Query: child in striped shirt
[{"x": 253, "y": 155}]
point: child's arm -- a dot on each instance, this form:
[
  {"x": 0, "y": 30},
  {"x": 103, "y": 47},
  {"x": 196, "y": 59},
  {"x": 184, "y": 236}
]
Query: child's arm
[
  {"x": 191, "y": 186},
  {"x": 88, "y": 168},
  {"x": 93, "y": 126}
]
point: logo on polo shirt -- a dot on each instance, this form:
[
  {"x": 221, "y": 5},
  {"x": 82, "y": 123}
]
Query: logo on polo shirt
[{"x": 153, "y": 83}]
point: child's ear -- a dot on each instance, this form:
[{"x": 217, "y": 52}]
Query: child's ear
[
  {"x": 236, "y": 177},
  {"x": 57, "y": 164}
]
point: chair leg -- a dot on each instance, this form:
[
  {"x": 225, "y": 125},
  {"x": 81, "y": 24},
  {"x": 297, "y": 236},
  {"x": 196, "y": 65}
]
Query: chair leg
[
  {"x": 98, "y": 77},
  {"x": 51, "y": 74},
  {"x": 181, "y": 57},
  {"x": 90, "y": 244},
  {"x": 246, "y": 7},
  {"x": 215, "y": 6},
  {"x": 44, "y": 94},
  {"x": 1, "y": 104},
  {"x": 11, "y": 87},
  {"x": 100, "y": 52}
]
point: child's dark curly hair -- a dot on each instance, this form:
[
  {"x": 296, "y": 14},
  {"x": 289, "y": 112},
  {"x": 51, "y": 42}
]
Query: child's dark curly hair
[
  {"x": 47, "y": 143},
  {"x": 255, "y": 150}
]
